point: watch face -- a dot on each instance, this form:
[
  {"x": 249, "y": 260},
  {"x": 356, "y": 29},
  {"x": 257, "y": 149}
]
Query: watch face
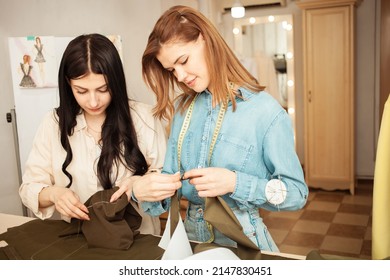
[{"x": 275, "y": 191}]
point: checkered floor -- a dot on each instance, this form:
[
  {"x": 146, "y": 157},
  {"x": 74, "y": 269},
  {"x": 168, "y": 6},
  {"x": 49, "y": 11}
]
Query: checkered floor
[{"x": 335, "y": 223}]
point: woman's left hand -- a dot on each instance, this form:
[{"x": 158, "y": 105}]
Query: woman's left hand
[{"x": 211, "y": 181}]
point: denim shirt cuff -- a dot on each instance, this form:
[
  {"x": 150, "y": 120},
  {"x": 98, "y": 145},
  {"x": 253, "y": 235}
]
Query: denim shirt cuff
[
  {"x": 240, "y": 194},
  {"x": 155, "y": 208},
  {"x": 246, "y": 187}
]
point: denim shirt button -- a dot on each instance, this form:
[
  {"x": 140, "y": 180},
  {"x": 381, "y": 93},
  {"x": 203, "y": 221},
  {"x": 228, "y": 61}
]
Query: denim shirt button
[
  {"x": 200, "y": 210},
  {"x": 204, "y": 138}
]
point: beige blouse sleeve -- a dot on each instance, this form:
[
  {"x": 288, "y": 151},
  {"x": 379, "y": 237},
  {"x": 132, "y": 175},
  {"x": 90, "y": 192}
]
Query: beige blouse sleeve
[
  {"x": 38, "y": 169},
  {"x": 151, "y": 135}
]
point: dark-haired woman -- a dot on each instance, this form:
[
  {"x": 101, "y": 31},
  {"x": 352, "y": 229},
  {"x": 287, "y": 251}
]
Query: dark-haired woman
[{"x": 96, "y": 139}]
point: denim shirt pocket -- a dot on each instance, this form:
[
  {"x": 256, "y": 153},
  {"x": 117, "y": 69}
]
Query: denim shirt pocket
[{"x": 233, "y": 153}]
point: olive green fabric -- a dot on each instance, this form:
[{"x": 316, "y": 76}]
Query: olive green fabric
[
  {"x": 111, "y": 233},
  {"x": 111, "y": 225},
  {"x": 9, "y": 253},
  {"x": 45, "y": 240},
  {"x": 174, "y": 213},
  {"x": 220, "y": 216}
]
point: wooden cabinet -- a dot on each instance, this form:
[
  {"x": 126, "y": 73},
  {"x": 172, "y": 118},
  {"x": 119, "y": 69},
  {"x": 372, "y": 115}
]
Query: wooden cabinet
[{"x": 328, "y": 51}]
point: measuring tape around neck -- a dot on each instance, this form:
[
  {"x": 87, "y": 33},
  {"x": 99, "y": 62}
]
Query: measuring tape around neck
[{"x": 186, "y": 124}]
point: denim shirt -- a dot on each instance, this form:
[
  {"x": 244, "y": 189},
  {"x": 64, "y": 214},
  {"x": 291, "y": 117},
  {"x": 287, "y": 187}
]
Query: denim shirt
[{"x": 257, "y": 142}]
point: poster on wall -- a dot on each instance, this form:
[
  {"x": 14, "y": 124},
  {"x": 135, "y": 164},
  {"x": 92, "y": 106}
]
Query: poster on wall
[{"x": 35, "y": 64}]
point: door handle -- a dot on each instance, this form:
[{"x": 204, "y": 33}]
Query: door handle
[{"x": 8, "y": 117}]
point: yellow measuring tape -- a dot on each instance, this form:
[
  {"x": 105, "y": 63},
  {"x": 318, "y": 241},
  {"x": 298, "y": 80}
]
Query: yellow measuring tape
[{"x": 183, "y": 131}]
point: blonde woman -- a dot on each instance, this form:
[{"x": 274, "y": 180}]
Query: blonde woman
[{"x": 228, "y": 137}]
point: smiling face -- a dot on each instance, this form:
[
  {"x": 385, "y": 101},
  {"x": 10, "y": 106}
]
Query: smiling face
[
  {"x": 92, "y": 94},
  {"x": 187, "y": 62}
]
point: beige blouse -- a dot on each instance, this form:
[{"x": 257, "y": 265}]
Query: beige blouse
[{"x": 43, "y": 166}]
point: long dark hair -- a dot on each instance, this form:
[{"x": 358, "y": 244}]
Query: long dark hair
[{"x": 95, "y": 53}]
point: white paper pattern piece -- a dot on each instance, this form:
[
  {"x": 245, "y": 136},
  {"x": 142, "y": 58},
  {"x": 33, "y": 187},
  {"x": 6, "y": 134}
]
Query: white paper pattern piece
[
  {"x": 178, "y": 247},
  {"x": 166, "y": 237}
]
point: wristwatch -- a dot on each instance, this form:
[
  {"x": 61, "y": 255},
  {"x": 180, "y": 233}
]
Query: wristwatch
[{"x": 275, "y": 191}]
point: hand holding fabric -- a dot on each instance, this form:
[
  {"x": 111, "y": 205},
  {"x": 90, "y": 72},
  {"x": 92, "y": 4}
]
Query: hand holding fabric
[
  {"x": 126, "y": 186},
  {"x": 156, "y": 186},
  {"x": 65, "y": 200},
  {"x": 211, "y": 181}
]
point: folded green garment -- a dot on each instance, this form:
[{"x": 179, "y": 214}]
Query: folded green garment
[{"x": 44, "y": 240}]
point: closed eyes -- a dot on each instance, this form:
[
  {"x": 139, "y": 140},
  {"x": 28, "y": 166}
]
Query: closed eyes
[
  {"x": 102, "y": 89},
  {"x": 181, "y": 62}
]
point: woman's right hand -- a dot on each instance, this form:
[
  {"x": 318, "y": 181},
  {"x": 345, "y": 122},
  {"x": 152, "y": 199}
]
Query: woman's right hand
[
  {"x": 156, "y": 186},
  {"x": 66, "y": 201}
]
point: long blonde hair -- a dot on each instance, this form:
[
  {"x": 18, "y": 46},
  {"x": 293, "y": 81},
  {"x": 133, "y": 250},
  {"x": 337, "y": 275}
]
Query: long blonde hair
[{"x": 184, "y": 24}]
